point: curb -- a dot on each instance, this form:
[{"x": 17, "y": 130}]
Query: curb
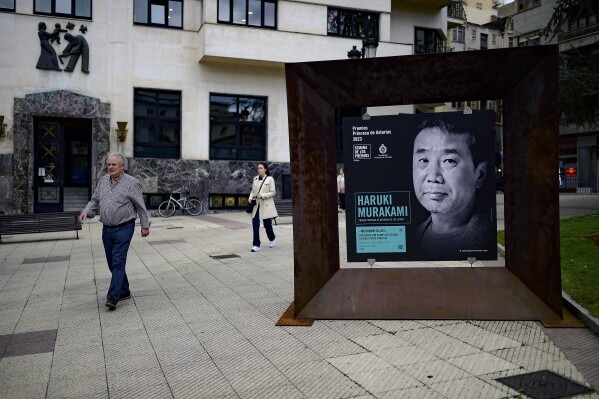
[
  {"x": 581, "y": 313},
  {"x": 578, "y": 311}
]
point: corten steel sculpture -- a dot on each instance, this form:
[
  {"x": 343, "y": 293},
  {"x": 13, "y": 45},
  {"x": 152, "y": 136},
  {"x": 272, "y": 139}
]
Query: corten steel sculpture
[{"x": 529, "y": 287}]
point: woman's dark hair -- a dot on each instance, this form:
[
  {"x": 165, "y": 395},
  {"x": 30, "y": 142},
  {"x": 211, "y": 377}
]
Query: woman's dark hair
[{"x": 267, "y": 172}]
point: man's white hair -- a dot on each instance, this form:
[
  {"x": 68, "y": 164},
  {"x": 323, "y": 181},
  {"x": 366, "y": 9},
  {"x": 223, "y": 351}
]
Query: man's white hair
[{"x": 118, "y": 156}]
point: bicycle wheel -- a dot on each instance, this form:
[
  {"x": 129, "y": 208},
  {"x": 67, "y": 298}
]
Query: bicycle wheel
[
  {"x": 194, "y": 207},
  {"x": 166, "y": 209}
]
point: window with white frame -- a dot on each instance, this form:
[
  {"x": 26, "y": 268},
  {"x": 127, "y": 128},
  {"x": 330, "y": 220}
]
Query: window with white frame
[
  {"x": 160, "y": 13},
  {"x": 63, "y": 8},
  {"x": 258, "y": 13},
  {"x": 458, "y": 34}
]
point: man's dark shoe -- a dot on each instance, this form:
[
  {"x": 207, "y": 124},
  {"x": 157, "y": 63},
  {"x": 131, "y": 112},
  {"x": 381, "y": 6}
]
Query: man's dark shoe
[
  {"x": 123, "y": 297},
  {"x": 111, "y": 305}
]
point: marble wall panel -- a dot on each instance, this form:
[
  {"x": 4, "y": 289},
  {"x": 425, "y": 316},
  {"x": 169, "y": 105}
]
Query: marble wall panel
[
  {"x": 235, "y": 177},
  {"x": 100, "y": 147},
  {"x": 6, "y": 197},
  {"x": 158, "y": 175},
  {"x": 200, "y": 178}
]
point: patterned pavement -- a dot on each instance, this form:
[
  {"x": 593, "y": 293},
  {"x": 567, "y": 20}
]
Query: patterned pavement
[{"x": 201, "y": 324}]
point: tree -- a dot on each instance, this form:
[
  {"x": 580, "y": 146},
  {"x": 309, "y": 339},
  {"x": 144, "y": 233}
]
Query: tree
[{"x": 579, "y": 64}]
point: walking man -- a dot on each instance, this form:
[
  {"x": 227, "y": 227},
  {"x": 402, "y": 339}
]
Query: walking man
[{"x": 119, "y": 200}]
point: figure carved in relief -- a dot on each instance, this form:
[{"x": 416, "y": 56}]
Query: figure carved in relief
[
  {"x": 76, "y": 48},
  {"x": 57, "y": 30},
  {"x": 48, "y": 58}
]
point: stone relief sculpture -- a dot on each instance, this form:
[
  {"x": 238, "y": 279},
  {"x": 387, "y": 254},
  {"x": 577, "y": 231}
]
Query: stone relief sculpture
[
  {"x": 48, "y": 58},
  {"x": 56, "y": 33},
  {"x": 76, "y": 48}
]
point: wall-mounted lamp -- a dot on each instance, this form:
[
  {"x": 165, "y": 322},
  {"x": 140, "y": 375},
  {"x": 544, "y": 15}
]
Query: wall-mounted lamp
[
  {"x": 121, "y": 131},
  {"x": 2, "y": 126}
]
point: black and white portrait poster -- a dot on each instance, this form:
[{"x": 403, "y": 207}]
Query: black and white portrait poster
[{"x": 420, "y": 187}]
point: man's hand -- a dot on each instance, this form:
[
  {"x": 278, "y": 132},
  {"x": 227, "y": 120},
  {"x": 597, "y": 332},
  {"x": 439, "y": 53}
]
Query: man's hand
[
  {"x": 82, "y": 216},
  {"x": 145, "y": 232}
]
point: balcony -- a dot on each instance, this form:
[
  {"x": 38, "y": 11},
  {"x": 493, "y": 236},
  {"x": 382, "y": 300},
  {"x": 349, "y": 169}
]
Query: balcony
[
  {"x": 579, "y": 37},
  {"x": 456, "y": 15},
  {"x": 239, "y": 44}
]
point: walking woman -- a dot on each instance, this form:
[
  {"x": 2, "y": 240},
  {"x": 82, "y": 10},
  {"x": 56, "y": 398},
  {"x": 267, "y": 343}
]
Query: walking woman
[
  {"x": 263, "y": 191},
  {"x": 341, "y": 189}
]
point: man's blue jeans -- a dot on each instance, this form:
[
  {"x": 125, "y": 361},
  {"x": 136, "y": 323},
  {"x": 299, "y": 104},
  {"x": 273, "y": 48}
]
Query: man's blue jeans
[
  {"x": 116, "y": 245},
  {"x": 267, "y": 226}
]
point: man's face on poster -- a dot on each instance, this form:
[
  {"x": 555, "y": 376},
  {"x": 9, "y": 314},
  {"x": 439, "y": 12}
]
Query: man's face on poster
[{"x": 444, "y": 174}]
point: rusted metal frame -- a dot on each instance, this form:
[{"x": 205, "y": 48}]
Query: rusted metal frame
[
  {"x": 315, "y": 220},
  {"x": 531, "y": 125},
  {"x": 315, "y": 89}
]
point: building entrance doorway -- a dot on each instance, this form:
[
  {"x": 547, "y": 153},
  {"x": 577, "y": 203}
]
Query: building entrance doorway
[{"x": 62, "y": 164}]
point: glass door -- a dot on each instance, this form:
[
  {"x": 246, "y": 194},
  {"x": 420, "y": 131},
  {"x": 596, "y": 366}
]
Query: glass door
[{"x": 48, "y": 167}]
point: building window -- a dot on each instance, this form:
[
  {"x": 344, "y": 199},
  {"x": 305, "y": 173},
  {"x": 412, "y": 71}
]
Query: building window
[
  {"x": 484, "y": 41},
  {"x": 7, "y": 5},
  {"x": 524, "y": 5},
  {"x": 350, "y": 23},
  {"x": 457, "y": 105},
  {"x": 164, "y": 13},
  {"x": 458, "y": 34},
  {"x": 63, "y": 8},
  {"x": 581, "y": 22},
  {"x": 428, "y": 41},
  {"x": 510, "y": 42},
  {"x": 237, "y": 127},
  {"x": 260, "y": 13},
  {"x": 157, "y": 122}
]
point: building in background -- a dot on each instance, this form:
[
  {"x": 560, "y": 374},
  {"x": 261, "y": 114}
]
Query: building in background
[
  {"x": 578, "y": 158},
  {"x": 198, "y": 87},
  {"x": 471, "y": 26}
]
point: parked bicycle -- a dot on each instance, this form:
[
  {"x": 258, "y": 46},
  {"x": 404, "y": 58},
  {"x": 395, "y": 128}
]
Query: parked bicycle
[{"x": 192, "y": 206}]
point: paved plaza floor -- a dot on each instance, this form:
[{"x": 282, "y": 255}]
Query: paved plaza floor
[{"x": 201, "y": 324}]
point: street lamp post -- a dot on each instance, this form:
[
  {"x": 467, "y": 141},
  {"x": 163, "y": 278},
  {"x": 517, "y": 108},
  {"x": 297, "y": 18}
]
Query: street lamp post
[{"x": 369, "y": 45}]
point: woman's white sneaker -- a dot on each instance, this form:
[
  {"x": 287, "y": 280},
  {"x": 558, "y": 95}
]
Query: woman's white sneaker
[
  {"x": 255, "y": 249},
  {"x": 272, "y": 244}
]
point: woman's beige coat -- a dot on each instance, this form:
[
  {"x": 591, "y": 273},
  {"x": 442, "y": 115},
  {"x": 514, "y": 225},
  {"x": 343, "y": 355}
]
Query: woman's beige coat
[{"x": 267, "y": 205}]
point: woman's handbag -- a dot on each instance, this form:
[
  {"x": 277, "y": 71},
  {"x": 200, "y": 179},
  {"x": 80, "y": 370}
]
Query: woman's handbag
[{"x": 250, "y": 207}]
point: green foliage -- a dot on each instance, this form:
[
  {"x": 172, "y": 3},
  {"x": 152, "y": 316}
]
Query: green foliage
[
  {"x": 501, "y": 237},
  {"x": 579, "y": 254},
  {"x": 579, "y": 85},
  {"x": 579, "y": 65},
  {"x": 568, "y": 9}
]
